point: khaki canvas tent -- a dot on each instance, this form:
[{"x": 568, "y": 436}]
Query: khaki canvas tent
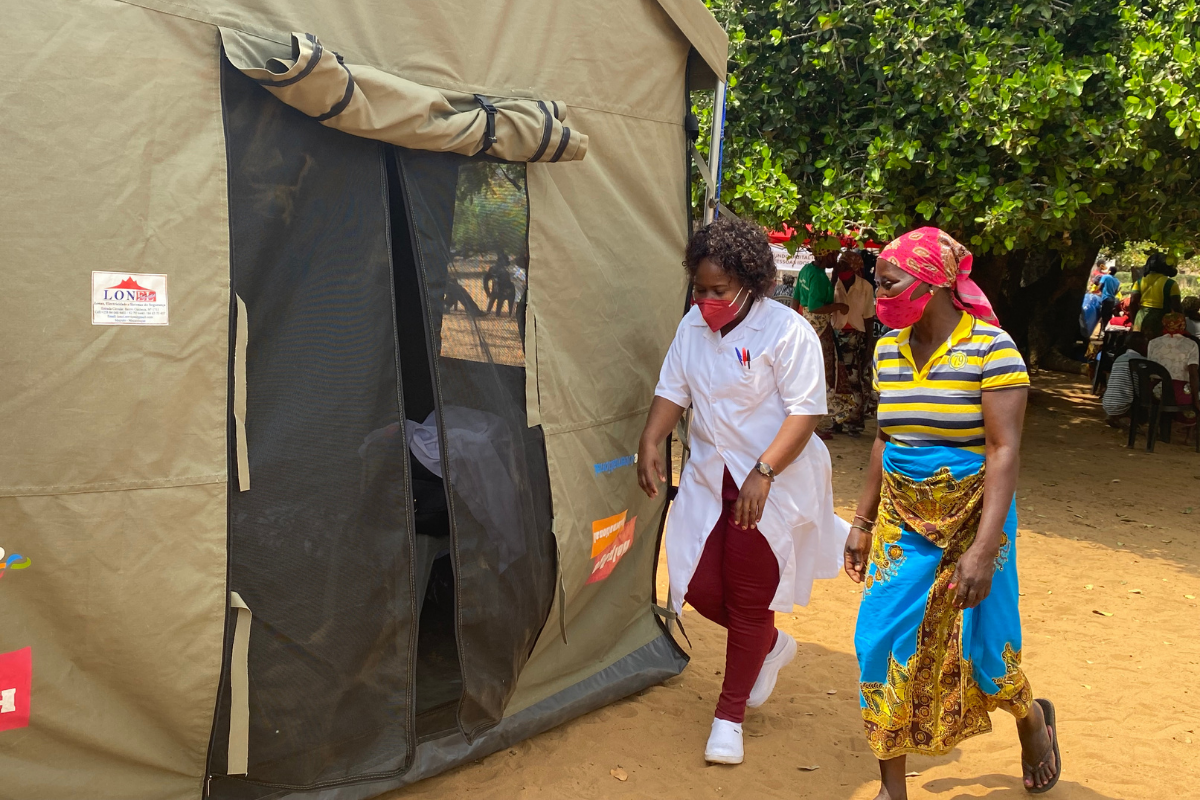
[{"x": 329, "y": 330}]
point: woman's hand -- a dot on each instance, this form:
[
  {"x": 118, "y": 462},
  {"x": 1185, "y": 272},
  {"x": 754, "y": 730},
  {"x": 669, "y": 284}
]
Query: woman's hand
[
  {"x": 662, "y": 419},
  {"x": 749, "y": 507},
  {"x": 856, "y": 554},
  {"x": 650, "y": 469},
  {"x": 972, "y": 581}
]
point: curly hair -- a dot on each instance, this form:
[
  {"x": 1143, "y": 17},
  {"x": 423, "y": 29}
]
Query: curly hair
[{"x": 739, "y": 248}]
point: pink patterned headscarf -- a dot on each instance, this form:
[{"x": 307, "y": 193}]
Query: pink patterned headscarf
[{"x": 933, "y": 256}]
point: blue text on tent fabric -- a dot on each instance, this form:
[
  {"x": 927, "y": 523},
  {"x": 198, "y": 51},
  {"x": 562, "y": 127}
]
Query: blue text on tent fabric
[{"x": 616, "y": 463}]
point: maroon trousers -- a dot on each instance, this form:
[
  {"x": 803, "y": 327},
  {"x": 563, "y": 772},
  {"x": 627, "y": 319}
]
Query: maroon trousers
[{"x": 733, "y": 586}]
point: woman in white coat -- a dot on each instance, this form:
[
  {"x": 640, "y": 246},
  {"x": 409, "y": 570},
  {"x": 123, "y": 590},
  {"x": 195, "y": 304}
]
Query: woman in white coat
[{"x": 753, "y": 522}]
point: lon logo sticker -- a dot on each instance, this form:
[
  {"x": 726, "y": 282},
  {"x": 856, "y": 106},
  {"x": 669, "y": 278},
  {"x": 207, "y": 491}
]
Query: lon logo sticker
[
  {"x": 123, "y": 298},
  {"x": 16, "y": 677},
  {"x": 611, "y": 539}
]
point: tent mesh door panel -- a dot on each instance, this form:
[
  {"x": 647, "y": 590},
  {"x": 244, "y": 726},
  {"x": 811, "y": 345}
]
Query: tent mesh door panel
[
  {"x": 320, "y": 546},
  {"x": 470, "y": 222},
  {"x": 439, "y": 675}
]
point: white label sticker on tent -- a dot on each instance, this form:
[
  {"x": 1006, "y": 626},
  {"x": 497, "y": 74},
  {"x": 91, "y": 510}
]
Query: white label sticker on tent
[{"x": 129, "y": 298}]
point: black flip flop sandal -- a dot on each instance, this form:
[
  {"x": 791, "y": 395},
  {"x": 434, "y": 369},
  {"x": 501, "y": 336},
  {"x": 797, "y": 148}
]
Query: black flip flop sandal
[{"x": 1052, "y": 723}]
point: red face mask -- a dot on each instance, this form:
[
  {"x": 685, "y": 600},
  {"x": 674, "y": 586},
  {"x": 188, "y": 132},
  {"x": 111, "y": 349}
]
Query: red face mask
[
  {"x": 902, "y": 310},
  {"x": 718, "y": 313}
]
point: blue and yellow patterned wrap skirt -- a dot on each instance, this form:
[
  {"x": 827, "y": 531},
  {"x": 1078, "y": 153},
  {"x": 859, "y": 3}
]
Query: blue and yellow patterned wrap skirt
[{"x": 930, "y": 673}]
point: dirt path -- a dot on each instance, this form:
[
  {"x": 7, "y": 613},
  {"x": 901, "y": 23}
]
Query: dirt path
[{"x": 1103, "y": 529}]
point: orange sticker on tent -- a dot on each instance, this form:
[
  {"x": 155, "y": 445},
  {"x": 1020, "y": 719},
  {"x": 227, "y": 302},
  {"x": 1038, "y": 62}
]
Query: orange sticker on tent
[
  {"x": 603, "y": 564},
  {"x": 605, "y": 531}
]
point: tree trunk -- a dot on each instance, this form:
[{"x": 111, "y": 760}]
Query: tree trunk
[{"x": 1037, "y": 296}]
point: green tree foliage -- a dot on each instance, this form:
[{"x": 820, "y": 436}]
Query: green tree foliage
[
  {"x": 1011, "y": 124},
  {"x": 490, "y": 210}
]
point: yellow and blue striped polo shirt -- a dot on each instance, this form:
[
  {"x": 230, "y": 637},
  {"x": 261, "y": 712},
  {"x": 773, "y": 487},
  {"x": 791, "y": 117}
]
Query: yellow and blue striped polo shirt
[{"x": 942, "y": 403}]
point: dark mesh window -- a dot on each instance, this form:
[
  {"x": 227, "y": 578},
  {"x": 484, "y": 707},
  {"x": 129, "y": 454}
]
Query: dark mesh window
[
  {"x": 321, "y": 546},
  {"x": 470, "y": 225}
]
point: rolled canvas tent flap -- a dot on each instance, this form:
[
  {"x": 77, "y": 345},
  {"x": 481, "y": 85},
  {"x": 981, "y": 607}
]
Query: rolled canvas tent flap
[{"x": 368, "y": 102}]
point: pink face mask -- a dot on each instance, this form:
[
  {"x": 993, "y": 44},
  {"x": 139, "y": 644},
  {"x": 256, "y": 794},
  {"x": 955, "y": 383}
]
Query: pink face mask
[
  {"x": 902, "y": 310},
  {"x": 718, "y": 313}
]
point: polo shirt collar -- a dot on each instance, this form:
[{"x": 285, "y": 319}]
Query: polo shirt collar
[{"x": 966, "y": 324}]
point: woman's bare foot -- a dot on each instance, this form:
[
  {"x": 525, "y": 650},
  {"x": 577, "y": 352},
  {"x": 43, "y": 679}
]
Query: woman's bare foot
[
  {"x": 892, "y": 785},
  {"x": 1037, "y": 749}
]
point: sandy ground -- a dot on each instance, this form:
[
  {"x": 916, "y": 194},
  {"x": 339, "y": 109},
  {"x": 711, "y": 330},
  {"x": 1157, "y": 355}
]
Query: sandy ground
[{"x": 1103, "y": 529}]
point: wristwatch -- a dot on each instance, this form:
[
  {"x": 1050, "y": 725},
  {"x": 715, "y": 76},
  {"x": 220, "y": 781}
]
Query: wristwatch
[{"x": 765, "y": 470}]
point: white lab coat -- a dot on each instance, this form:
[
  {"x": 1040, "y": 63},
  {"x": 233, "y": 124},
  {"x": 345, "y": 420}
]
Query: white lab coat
[{"x": 737, "y": 412}]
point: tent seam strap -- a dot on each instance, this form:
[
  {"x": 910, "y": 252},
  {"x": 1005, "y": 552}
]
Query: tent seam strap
[
  {"x": 112, "y": 486},
  {"x": 554, "y": 430}
]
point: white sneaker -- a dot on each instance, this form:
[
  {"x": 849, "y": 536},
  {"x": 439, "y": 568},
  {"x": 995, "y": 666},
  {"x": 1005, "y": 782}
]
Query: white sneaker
[
  {"x": 780, "y": 656},
  {"x": 724, "y": 743}
]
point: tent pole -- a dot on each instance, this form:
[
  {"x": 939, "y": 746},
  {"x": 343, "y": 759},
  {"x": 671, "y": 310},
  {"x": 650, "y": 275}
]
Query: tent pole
[{"x": 715, "y": 153}]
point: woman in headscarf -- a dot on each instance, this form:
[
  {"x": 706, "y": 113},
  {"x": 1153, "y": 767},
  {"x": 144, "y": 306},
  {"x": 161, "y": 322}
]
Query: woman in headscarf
[
  {"x": 1181, "y": 356},
  {"x": 1154, "y": 294},
  {"x": 851, "y": 396},
  {"x": 753, "y": 522},
  {"x": 814, "y": 298},
  {"x": 934, "y": 537}
]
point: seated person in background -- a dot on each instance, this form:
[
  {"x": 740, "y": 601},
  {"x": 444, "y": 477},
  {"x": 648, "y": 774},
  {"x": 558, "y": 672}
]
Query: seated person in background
[
  {"x": 1181, "y": 356},
  {"x": 784, "y": 289},
  {"x": 1191, "y": 310},
  {"x": 1118, "y": 395}
]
